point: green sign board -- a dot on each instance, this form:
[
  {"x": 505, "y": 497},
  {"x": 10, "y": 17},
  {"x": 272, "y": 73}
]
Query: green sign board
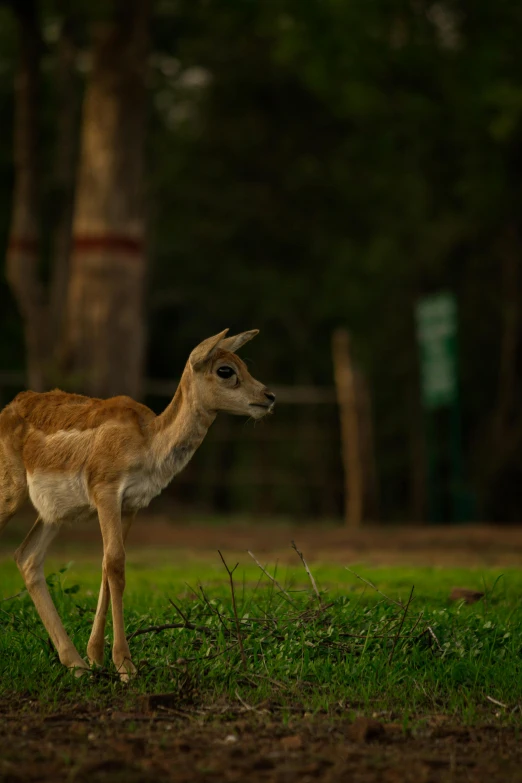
[
  {"x": 437, "y": 336},
  {"x": 448, "y": 497}
]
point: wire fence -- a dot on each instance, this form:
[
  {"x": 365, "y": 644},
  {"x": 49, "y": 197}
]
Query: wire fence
[{"x": 287, "y": 465}]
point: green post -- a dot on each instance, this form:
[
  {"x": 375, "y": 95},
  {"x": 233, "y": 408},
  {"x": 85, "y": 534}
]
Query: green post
[{"x": 436, "y": 317}]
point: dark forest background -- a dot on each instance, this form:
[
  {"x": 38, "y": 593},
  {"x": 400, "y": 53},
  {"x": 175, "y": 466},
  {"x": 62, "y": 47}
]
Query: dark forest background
[{"x": 292, "y": 166}]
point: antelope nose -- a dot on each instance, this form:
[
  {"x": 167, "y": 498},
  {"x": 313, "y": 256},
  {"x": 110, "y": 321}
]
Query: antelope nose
[{"x": 270, "y": 396}]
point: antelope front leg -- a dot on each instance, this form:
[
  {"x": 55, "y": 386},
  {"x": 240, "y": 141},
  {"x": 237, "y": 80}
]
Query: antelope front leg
[
  {"x": 30, "y": 560},
  {"x": 114, "y": 563},
  {"x": 96, "y": 643}
]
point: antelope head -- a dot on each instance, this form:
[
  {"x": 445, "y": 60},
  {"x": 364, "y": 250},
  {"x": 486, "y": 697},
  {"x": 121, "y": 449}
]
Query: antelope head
[{"x": 221, "y": 381}]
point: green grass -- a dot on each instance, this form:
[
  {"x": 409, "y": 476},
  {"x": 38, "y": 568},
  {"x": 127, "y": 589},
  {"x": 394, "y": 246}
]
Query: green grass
[{"x": 356, "y": 650}]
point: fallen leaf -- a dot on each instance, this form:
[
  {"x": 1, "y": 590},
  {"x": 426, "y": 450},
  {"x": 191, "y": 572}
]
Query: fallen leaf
[
  {"x": 463, "y": 594},
  {"x": 292, "y": 743},
  {"x": 364, "y": 729},
  {"x": 153, "y": 701}
]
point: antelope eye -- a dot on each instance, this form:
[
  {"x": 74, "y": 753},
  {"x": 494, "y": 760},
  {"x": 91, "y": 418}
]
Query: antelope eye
[{"x": 225, "y": 372}]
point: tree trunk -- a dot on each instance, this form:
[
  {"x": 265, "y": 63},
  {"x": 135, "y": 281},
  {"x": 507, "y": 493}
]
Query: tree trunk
[
  {"x": 350, "y": 428},
  {"x": 105, "y": 298},
  {"x": 367, "y": 447},
  {"x": 66, "y": 160},
  {"x": 23, "y": 255},
  {"x": 500, "y": 441},
  {"x": 507, "y": 377},
  {"x": 418, "y": 478}
]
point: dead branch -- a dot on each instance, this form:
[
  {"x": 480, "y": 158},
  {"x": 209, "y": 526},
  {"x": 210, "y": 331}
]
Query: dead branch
[
  {"x": 312, "y": 580},
  {"x": 401, "y": 625},
  {"x": 281, "y": 589},
  {"x": 233, "y": 592},
  {"x": 433, "y": 636},
  {"x": 12, "y": 597},
  {"x": 178, "y": 610},
  {"x": 370, "y": 584},
  {"x": 498, "y": 703},
  {"x": 168, "y": 626},
  {"x": 216, "y": 655},
  {"x": 214, "y": 610},
  {"x": 246, "y": 706},
  {"x": 270, "y": 680}
]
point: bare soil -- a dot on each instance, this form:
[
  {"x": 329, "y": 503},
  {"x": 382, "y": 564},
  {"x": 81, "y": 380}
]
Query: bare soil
[
  {"x": 464, "y": 545},
  {"x": 87, "y": 742},
  {"x": 83, "y": 743}
]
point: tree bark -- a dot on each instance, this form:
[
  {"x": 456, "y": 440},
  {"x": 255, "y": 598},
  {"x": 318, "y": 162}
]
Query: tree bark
[
  {"x": 367, "y": 447},
  {"x": 108, "y": 263},
  {"x": 23, "y": 254},
  {"x": 350, "y": 428},
  {"x": 66, "y": 160},
  {"x": 507, "y": 376},
  {"x": 418, "y": 478},
  {"x": 503, "y": 436}
]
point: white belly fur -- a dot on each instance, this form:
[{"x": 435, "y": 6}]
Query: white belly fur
[
  {"x": 65, "y": 496},
  {"x": 140, "y": 488},
  {"x": 59, "y": 496}
]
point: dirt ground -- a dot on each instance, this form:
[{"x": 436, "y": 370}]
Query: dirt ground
[
  {"x": 466, "y": 545},
  {"x": 459, "y": 546},
  {"x": 154, "y": 743},
  {"x": 166, "y": 742}
]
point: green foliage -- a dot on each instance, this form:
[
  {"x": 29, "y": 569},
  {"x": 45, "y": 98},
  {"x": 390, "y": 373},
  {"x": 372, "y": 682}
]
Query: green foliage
[
  {"x": 321, "y": 163},
  {"x": 342, "y": 160}
]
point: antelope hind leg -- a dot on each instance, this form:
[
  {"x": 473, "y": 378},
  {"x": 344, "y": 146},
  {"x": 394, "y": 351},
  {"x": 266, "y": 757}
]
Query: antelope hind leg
[{"x": 30, "y": 557}]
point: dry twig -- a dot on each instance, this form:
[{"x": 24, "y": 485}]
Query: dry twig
[
  {"x": 431, "y": 632},
  {"x": 498, "y": 703},
  {"x": 12, "y": 597},
  {"x": 248, "y": 707},
  {"x": 281, "y": 589},
  {"x": 168, "y": 626},
  {"x": 214, "y": 610},
  {"x": 201, "y": 658},
  {"x": 397, "y": 635},
  {"x": 312, "y": 580},
  {"x": 370, "y": 584},
  {"x": 270, "y": 680},
  {"x": 232, "y": 590},
  {"x": 178, "y": 610}
]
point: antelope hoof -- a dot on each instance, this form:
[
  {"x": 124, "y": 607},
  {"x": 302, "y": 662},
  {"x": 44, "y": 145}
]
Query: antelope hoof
[
  {"x": 74, "y": 662},
  {"x": 127, "y": 670},
  {"x": 80, "y": 671},
  {"x": 95, "y": 657}
]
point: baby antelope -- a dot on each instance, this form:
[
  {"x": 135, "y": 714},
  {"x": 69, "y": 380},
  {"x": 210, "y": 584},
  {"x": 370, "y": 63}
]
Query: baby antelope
[{"x": 77, "y": 457}]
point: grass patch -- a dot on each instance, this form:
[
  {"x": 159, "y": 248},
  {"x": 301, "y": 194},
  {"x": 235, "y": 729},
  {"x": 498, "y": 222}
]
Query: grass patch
[{"x": 406, "y": 649}]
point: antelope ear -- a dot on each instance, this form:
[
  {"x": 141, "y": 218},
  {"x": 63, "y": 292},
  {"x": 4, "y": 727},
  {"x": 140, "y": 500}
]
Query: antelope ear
[
  {"x": 233, "y": 344},
  {"x": 204, "y": 351}
]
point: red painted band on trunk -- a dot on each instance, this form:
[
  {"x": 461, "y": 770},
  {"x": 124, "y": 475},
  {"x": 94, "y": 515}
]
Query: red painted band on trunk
[
  {"x": 20, "y": 245},
  {"x": 107, "y": 242}
]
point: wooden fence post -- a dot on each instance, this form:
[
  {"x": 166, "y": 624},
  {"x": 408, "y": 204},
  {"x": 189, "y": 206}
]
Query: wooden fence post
[{"x": 349, "y": 420}]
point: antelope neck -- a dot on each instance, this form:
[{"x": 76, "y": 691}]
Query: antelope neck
[{"x": 182, "y": 426}]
